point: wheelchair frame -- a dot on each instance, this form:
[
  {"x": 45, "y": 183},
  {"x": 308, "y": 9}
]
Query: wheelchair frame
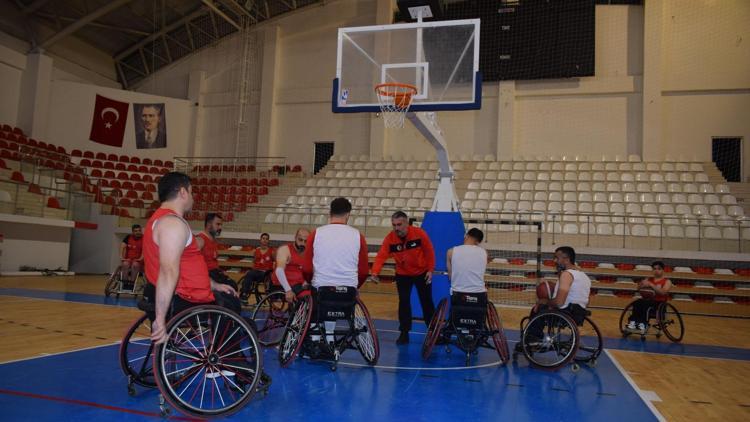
[
  {"x": 661, "y": 326},
  {"x": 297, "y": 336},
  {"x": 115, "y": 284},
  {"x": 552, "y": 321},
  {"x": 189, "y": 332},
  {"x": 468, "y": 341}
]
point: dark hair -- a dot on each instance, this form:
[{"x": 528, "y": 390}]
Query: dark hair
[
  {"x": 476, "y": 234},
  {"x": 171, "y": 183},
  {"x": 266, "y": 235},
  {"x": 340, "y": 206},
  {"x": 135, "y": 226},
  {"x": 658, "y": 263},
  {"x": 156, "y": 107},
  {"x": 399, "y": 214},
  {"x": 210, "y": 218},
  {"x": 569, "y": 252}
]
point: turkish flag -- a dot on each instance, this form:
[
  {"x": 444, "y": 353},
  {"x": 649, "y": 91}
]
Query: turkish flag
[{"x": 108, "y": 122}]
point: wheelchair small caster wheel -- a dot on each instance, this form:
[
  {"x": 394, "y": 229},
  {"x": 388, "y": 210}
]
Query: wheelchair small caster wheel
[
  {"x": 131, "y": 391},
  {"x": 333, "y": 368},
  {"x": 575, "y": 367},
  {"x": 592, "y": 363}
]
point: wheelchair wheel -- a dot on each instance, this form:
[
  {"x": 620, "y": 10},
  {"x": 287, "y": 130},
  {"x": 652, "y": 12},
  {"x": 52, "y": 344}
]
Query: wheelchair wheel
[
  {"x": 210, "y": 364},
  {"x": 270, "y": 316},
  {"x": 495, "y": 324},
  {"x": 670, "y": 322},
  {"x": 624, "y": 319},
  {"x": 550, "y": 340},
  {"x": 367, "y": 337},
  {"x": 135, "y": 354},
  {"x": 433, "y": 331},
  {"x": 262, "y": 287},
  {"x": 590, "y": 342},
  {"x": 295, "y": 332},
  {"x": 113, "y": 284}
]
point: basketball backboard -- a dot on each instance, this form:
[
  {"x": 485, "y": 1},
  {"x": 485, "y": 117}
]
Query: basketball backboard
[{"x": 439, "y": 58}]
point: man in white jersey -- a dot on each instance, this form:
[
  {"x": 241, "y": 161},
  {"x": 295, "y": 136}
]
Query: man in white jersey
[
  {"x": 335, "y": 256},
  {"x": 573, "y": 286},
  {"x": 467, "y": 264}
]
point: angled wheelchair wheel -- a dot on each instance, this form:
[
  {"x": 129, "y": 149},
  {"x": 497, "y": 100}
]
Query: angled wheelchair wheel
[
  {"x": 113, "y": 284},
  {"x": 495, "y": 325},
  {"x": 670, "y": 322},
  {"x": 262, "y": 287},
  {"x": 624, "y": 316},
  {"x": 366, "y": 337},
  {"x": 433, "y": 330},
  {"x": 211, "y": 363},
  {"x": 271, "y": 316},
  {"x": 590, "y": 342},
  {"x": 136, "y": 354},
  {"x": 296, "y": 330},
  {"x": 550, "y": 340}
]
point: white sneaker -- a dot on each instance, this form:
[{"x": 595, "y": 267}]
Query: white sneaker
[
  {"x": 642, "y": 328},
  {"x": 631, "y": 326}
]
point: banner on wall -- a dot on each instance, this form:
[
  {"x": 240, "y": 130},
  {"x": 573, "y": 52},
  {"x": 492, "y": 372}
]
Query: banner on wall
[
  {"x": 108, "y": 121},
  {"x": 150, "y": 126}
]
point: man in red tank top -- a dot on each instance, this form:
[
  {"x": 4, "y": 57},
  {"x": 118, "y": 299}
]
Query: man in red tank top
[
  {"x": 289, "y": 261},
  {"x": 175, "y": 268},
  {"x": 209, "y": 247},
  {"x": 654, "y": 290},
  {"x": 131, "y": 253},
  {"x": 264, "y": 257}
]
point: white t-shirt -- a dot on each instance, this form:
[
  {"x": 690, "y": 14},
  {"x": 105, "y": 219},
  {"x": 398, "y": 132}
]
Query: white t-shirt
[
  {"x": 336, "y": 255},
  {"x": 468, "y": 264},
  {"x": 579, "y": 290}
]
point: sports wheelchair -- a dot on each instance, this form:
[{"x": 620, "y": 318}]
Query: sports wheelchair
[
  {"x": 117, "y": 285},
  {"x": 473, "y": 321},
  {"x": 551, "y": 338},
  {"x": 210, "y": 365},
  {"x": 667, "y": 320},
  {"x": 273, "y": 312},
  {"x": 306, "y": 331},
  {"x": 257, "y": 288}
]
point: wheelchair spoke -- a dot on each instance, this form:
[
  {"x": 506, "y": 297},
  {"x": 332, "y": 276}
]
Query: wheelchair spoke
[
  {"x": 218, "y": 391},
  {"x": 184, "y": 369},
  {"x": 227, "y": 340},
  {"x": 184, "y": 354},
  {"x": 190, "y": 342}
]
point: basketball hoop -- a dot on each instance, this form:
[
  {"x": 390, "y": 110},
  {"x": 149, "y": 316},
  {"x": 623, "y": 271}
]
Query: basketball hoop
[{"x": 395, "y": 100}]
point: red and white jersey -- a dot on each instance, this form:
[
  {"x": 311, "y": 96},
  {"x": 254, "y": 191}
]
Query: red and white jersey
[
  {"x": 263, "y": 260},
  {"x": 293, "y": 268},
  {"x": 133, "y": 247},
  {"x": 210, "y": 251},
  {"x": 661, "y": 283},
  {"x": 336, "y": 255}
]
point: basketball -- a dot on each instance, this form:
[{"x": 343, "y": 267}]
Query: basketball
[
  {"x": 545, "y": 290},
  {"x": 647, "y": 292}
]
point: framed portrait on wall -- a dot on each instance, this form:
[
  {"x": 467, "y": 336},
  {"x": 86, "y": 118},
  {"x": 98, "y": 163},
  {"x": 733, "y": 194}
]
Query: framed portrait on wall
[{"x": 150, "y": 126}]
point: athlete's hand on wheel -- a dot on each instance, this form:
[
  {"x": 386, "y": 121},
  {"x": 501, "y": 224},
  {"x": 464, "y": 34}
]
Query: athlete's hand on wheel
[
  {"x": 290, "y": 296},
  {"x": 375, "y": 279},
  {"x": 428, "y": 277},
  {"x": 223, "y": 288},
  {"x": 158, "y": 331}
]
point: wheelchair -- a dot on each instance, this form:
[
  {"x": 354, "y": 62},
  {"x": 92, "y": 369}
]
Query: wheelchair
[
  {"x": 306, "y": 332},
  {"x": 117, "y": 285},
  {"x": 272, "y": 313},
  {"x": 667, "y": 320},
  {"x": 552, "y": 338},
  {"x": 473, "y": 321},
  {"x": 210, "y": 365},
  {"x": 258, "y": 288}
]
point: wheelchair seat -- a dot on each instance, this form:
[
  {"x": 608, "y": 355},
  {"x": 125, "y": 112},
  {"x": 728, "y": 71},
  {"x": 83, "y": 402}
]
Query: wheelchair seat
[
  {"x": 335, "y": 302},
  {"x": 468, "y": 310}
]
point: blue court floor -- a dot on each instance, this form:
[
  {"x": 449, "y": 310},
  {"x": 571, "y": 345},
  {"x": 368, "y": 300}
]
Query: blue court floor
[{"x": 88, "y": 384}]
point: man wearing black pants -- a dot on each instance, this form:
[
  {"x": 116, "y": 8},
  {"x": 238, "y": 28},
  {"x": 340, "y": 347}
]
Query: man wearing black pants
[{"x": 412, "y": 250}]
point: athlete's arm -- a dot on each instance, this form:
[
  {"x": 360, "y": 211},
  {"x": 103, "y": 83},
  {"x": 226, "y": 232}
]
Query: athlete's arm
[
  {"x": 662, "y": 290},
  {"x": 566, "y": 280},
  {"x": 448, "y": 258},
  {"x": 171, "y": 235}
]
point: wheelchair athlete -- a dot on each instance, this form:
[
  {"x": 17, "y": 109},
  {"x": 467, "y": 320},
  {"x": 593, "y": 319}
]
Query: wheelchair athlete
[
  {"x": 210, "y": 249},
  {"x": 466, "y": 265},
  {"x": 178, "y": 280}
]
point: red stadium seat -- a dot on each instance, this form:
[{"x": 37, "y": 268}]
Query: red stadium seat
[
  {"x": 135, "y": 177},
  {"x": 124, "y": 159},
  {"x": 142, "y": 169},
  {"x": 108, "y": 200},
  {"x": 5, "y": 154},
  {"x": 625, "y": 266},
  {"x": 587, "y": 264},
  {"x": 223, "y": 181},
  {"x": 2, "y": 164},
  {"x": 164, "y": 171},
  {"x": 273, "y": 182},
  {"x": 115, "y": 184},
  {"x": 124, "y": 213},
  {"x": 157, "y": 162},
  {"x": 150, "y": 188},
  {"x": 147, "y": 179},
  {"x": 59, "y": 166},
  {"x": 32, "y": 143},
  {"x": 297, "y": 168},
  {"x": 109, "y": 165},
  {"x": 263, "y": 190},
  {"x": 137, "y": 204},
  {"x": 97, "y": 164},
  {"x": 147, "y": 161},
  {"x": 17, "y": 176},
  {"x": 120, "y": 167},
  {"x": 215, "y": 168},
  {"x": 124, "y": 202},
  {"x": 154, "y": 170},
  {"x": 88, "y": 154},
  {"x": 34, "y": 188},
  {"x": 131, "y": 194},
  {"x": 135, "y": 160},
  {"x": 147, "y": 196},
  {"x": 103, "y": 183},
  {"x": 112, "y": 157},
  {"x": 61, "y": 150},
  {"x": 169, "y": 164},
  {"x": 109, "y": 174},
  {"x": 242, "y": 190},
  {"x": 96, "y": 173},
  {"x": 122, "y": 175},
  {"x": 101, "y": 156},
  {"x": 139, "y": 186},
  {"x": 76, "y": 153},
  {"x": 127, "y": 185},
  {"x": 132, "y": 167}
]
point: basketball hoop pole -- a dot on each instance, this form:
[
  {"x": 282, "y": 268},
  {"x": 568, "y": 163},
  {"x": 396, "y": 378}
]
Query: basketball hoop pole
[{"x": 445, "y": 197}]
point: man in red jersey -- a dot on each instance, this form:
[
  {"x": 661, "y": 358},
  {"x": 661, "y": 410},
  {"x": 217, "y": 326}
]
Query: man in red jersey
[
  {"x": 210, "y": 248},
  {"x": 290, "y": 260},
  {"x": 263, "y": 261},
  {"x": 654, "y": 290},
  {"x": 412, "y": 250},
  {"x": 175, "y": 268},
  {"x": 131, "y": 253}
]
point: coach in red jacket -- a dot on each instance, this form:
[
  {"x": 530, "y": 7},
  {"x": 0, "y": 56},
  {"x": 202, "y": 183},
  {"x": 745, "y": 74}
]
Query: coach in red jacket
[{"x": 412, "y": 250}]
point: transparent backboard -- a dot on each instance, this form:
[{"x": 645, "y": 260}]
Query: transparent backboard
[{"x": 440, "y": 59}]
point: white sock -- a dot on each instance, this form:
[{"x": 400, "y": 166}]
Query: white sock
[
  {"x": 314, "y": 337},
  {"x": 330, "y": 326}
]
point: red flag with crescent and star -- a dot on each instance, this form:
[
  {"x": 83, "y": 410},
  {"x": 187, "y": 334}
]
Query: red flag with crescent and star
[{"x": 108, "y": 122}]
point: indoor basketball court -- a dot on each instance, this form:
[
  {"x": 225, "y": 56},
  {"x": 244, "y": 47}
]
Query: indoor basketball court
[{"x": 383, "y": 209}]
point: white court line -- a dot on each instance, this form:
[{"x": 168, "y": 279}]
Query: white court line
[
  {"x": 632, "y": 383},
  {"x": 59, "y": 353}
]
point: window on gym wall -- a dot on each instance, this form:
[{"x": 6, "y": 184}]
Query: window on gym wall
[
  {"x": 323, "y": 153},
  {"x": 727, "y": 154}
]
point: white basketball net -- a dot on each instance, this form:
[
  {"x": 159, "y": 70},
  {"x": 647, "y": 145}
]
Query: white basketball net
[{"x": 395, "y": 100}]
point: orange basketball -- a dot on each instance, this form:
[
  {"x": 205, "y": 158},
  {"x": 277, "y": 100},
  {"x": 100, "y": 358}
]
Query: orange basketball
[
  {"x": 545, "y": 290},
  {"x": 647, "y": 292}
]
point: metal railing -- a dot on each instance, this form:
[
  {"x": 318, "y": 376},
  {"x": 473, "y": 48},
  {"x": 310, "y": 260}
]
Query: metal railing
[
  {"x": 76, "y": 205},
  {"x": 229, "y": 166}
]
